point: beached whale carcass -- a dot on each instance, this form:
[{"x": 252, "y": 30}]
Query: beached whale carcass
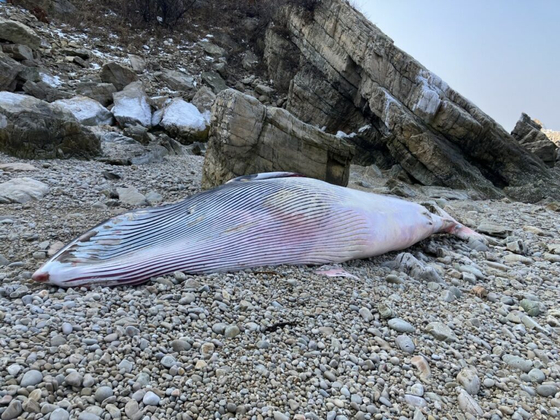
[{"x": 265, "y": 219}]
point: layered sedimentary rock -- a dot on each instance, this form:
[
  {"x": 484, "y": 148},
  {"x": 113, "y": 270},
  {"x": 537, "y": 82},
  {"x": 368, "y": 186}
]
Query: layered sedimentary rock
[
  {"x": 528, "y": 133},
  {"x": 247, "y": 137},
  {"x": 350, "y": 76}
]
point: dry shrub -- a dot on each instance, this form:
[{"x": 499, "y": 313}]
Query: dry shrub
[
  {"x": 135, "y": 21},
  {"x": 176, "y": 14}
]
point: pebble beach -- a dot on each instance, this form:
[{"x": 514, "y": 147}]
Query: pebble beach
[{"x": 471, "y": 332}]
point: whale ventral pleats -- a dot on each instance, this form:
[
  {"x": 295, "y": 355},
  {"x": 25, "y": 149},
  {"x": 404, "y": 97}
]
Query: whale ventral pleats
[{"x": 87, "y": 236}]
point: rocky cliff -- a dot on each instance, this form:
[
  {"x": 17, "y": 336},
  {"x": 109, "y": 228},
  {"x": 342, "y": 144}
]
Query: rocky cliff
[
  {"x": 247, "y": 137},
  {"x": 529, "y": 134},
  {"x": 345, "y": 74}
]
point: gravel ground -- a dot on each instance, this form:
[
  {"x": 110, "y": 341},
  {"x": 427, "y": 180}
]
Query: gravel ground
[{"x": 473, "y": 333}]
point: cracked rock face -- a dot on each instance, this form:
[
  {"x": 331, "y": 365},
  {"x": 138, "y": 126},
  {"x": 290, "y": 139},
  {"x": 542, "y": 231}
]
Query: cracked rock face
[
  {"x": 247, "y": 137},
  {"x": 349, "y": 76},
  {"x": 528, "y": 133}
]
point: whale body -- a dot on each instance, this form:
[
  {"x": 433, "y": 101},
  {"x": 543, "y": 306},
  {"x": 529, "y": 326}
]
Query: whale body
[{"x": 259, "y": 220}]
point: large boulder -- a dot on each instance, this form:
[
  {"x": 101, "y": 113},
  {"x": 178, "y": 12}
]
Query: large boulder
[
  {"x": 248, "y": 137},
  {"x": 119, "y": 76},
  {"x": 22, "y": 190},
  {"x": 350, "y": 76},
  {"x": 18, "y": 33},
  {"x": 131, "y": 106},
  {"x": 528, "y": 133},
  {"x": 86, "y": 110},
  {"x": 183, "y": 121},
  {"x": 31, "y": 128}
]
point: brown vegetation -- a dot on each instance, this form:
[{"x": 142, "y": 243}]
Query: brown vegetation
[{"x": 177, "y": 15}]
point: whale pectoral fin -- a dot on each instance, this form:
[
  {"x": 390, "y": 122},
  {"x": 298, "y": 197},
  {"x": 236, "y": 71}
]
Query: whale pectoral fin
[{"x": 265, "y": 175}]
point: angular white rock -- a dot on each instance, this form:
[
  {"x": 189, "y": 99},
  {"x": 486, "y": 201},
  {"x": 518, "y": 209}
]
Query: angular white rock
[
  {"x": 183, "y": 116},
  {"x": 22, "y": 190},
  {"x": 86, "y": 110},
  {"x": 468, "y": 404},
  {"x": 131, "y": 106}
]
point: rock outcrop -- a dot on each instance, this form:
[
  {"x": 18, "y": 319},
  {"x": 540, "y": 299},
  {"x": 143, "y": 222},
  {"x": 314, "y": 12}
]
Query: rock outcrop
[
  {"x": 350, "y": 76},
  {"x": 31, "y": 128},
  {"x": 528, "y": 133},
  {"x": 247, "y": 137}
]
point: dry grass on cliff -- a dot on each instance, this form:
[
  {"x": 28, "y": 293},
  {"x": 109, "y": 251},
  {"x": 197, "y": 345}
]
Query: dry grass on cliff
[{"x": 164, "y": 18}]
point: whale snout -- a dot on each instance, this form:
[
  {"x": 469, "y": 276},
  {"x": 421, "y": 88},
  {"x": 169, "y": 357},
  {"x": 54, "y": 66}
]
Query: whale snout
[{"x": 40, "y": 276}]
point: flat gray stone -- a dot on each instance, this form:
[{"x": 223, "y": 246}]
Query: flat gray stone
[
  {"x": 517, "y": 362},
  {"x": 59, "y": 414},
  {"x": 22, "y": 190},
  {"x": 150, "y": 398},
  {"x": 468, "y": 404},
  {"x": 74, "y": 379},
  {"x": 441, "y": 331},
  {"x": 231, "y": 331},
  {"x": 405, "y": 343},
  {"x": 214, "y": 80},
  {"x": 401, "y": 325},
  {"x": 103, "y": 392},
  {"x": 168, "y": 361},
  {"x": 31, "y": 377},
  {"x": 177, "y": 80},
  {"x": 131, "y": 196},
  {"x": 180, "y": 345},
  {"x": 547, "y": 389},
  {"x": 14, "y": 410},
  {"x": 468, "y": 378}
]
